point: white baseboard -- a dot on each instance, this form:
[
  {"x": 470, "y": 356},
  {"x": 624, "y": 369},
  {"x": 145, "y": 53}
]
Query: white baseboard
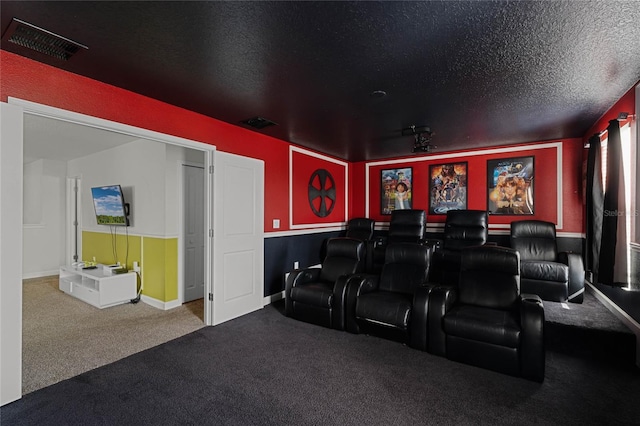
[
  {"x": 41, "y": 274},
  {"x": 621, "y": 315},
  {"x": 273, "y": 298},
  {"x": 165, "y": 306}
]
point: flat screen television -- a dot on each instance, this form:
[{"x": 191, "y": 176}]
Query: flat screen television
[{"x": 109, "y": 205}]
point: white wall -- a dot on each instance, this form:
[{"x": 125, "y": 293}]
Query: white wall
[
  {"x": 139, "y": 167},
  {"x": 11, "y": 129},
  {"x": 44, "y": 217}
]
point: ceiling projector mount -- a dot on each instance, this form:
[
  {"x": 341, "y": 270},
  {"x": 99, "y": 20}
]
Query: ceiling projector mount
[{"x": 422, "y": 138}]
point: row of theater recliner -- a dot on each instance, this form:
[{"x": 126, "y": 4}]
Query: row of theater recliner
[{"x": 468, "y": 307}]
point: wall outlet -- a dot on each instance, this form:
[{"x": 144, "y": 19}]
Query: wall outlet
[{"x": 276, "y": 223}]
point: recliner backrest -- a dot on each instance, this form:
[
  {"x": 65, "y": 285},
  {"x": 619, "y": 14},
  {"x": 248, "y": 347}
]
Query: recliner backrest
[
  {"x": 406, "y": 267},
  {"x": 490, "y": 277},
  {"x": 407, "y": 226},
  {"x": 535, "y": 240},
  {"x": 360, "y": 228},
  {"x": 344, "y": 256},
  {"x": 465, "y": 228}
]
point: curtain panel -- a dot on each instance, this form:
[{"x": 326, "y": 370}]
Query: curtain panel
[{"x": 612, "y": 268}]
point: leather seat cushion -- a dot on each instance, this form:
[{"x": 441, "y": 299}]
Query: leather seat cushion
[
  {"x": 316, "y": 294},
  {"x": 488, "y": 325},
  {"x": 544, "y": 270},
  {"x": 392, "y": 309}
]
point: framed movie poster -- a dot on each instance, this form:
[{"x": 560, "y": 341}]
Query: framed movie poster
[
  {"x": 510, "y": 186},
  {"x": 395, "y": 189},
  {"x": 447, "y": 187}
]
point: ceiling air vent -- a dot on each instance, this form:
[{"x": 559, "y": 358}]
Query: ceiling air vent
[
  {"x": 258, "y": 122},
  {"x": 31, "y": 37}
]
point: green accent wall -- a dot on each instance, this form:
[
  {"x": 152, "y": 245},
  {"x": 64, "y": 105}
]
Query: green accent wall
[
  {"x": 160, "y": 268},
  {"x": 99, "y": 245},
  {"x": 157, "y": 257}
]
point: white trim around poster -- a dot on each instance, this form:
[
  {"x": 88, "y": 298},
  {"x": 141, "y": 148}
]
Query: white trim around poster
[{"x": 489, "y": 151}]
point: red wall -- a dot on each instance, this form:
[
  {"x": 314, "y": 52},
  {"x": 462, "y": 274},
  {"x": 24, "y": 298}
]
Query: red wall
[
  {"x": 33, "y": 81},
  {"x": 26, "y": 79},
  {"x": 545, "y": 183}
]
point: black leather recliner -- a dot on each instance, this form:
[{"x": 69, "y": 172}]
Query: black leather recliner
[
  {"x": 463, "y": 228},
  {"x": 554, "y": 276},
  {"x": 393, "y": 304},
  {"x": 361, "y": 228},
  {"x": 405, "y": 226},
  {"x": 317, "y": 295},
  {"x": 486, "y": 321}
]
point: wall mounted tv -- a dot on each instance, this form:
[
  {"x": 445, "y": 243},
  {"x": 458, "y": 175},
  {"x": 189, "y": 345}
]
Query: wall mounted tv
[{"x": 109, "y": 205}]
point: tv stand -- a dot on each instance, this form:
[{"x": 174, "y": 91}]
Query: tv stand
[{"x": 98, "y": 287}]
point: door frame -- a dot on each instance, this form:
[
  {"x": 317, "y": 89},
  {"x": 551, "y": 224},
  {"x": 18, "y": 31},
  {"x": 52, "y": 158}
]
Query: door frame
[
  {"x": 74, "y": 212},
  {"x": 181, "y": 219},
  {"x": 33, "y": 108}
]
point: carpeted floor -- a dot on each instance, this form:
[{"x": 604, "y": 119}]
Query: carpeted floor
[
  {"x": 267, "y": 369},
  {"x": 63, "y": 336}
]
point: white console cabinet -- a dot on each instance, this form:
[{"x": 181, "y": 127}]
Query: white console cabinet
[{"x": 98, "y": 287}]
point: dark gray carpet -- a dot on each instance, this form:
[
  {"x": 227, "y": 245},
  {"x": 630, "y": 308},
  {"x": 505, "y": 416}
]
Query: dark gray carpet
[{"x": 266, "y": 369}]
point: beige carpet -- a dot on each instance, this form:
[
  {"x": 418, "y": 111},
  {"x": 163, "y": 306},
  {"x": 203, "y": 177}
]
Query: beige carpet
[{"x": 63, "y": 336}]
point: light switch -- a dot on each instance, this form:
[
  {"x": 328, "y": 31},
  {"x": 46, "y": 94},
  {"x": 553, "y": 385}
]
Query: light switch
[{"x": 276, "y": 223}]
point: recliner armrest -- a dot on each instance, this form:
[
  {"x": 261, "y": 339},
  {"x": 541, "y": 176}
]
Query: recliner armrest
[
  {"x": 532, "y": 351},
  {"x": 356, "y": 285},
  {"x": 339, "y": 300},
  {"x": 576, "y": 275},
  {"x": 418, "y": 333},
  {"x": 295, "y": 278},
  {"x": 441, "y": 300}
]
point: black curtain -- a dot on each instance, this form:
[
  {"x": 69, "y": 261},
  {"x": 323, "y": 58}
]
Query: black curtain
[
  {"x": 611, "y": 206},
  {"x": 594, "y": 207}
]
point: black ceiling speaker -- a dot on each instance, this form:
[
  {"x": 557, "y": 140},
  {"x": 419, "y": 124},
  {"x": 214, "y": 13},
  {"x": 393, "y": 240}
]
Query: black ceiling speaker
[
  {"x": 31, "y": 37},
  {"x": 258, "y": 122}
]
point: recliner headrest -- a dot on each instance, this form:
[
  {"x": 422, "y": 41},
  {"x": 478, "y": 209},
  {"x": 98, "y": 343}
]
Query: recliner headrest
[
  {"x": 491, "y": 258},
  {"x": 464, "y": 228},
  {"x": 345, "y": 247},
  {"x": 360, "y": 228},
  {"x": 533, "y": 228},
  {"x": 407, "y": 225},
  {"x": 408, "y": 253}
]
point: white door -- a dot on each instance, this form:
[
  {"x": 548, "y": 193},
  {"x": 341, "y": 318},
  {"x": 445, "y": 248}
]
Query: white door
[
  {"x": 11, "y": 145},
  {"x": 238, "y": 239},
  {"x": 193, "y": 190}
]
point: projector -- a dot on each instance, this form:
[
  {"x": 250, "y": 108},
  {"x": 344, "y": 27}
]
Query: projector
[{"x": 423, "y": 148}]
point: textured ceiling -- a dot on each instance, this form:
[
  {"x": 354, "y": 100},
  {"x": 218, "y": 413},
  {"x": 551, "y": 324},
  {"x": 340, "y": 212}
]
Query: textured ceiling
[{"x": 479, "y": 73}]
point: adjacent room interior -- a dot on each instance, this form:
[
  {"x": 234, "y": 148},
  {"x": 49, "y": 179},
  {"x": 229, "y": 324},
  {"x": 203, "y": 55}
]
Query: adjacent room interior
[{"x": 60, "y": 156}]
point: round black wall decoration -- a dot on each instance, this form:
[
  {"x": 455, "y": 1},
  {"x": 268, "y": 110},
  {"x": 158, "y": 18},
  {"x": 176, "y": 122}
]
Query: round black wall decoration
[{"x": 322, "y": 185}]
